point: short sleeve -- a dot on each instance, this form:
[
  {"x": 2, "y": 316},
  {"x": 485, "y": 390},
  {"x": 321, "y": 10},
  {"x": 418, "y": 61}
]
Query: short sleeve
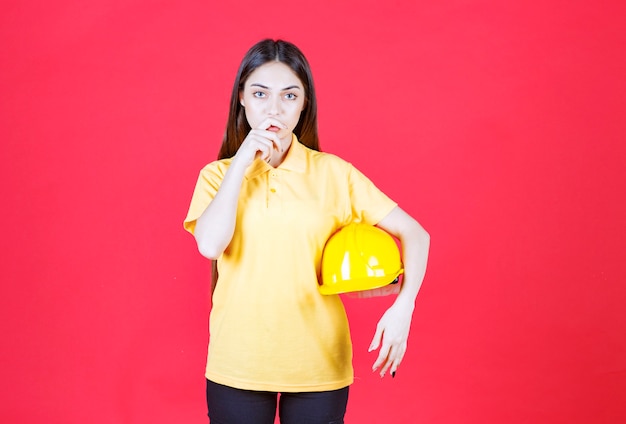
[
  {"x": 208, "y": 183},
  {"x": 369, "y": 204}
]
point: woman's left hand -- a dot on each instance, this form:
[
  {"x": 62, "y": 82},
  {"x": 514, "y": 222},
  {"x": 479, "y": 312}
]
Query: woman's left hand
[
  {"x": 392, "y": 330},
  {"x": 391, "y": 336}
]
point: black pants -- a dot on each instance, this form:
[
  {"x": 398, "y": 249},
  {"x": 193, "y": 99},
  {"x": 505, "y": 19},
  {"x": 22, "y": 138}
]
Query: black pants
[{"x": 235, "y": 406}]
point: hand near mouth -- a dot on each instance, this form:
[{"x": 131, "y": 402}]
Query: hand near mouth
[
  {"x": 261, "y": 142},
  {"x": 272, "y": 124}
]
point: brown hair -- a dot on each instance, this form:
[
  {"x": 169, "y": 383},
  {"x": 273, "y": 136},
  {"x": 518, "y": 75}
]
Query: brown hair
[{"x": 237, "y": 127}]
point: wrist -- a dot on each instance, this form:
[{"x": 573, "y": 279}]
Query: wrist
[
  {"x": 405, "y": 299},
  {"x": 239, "y": 165}
]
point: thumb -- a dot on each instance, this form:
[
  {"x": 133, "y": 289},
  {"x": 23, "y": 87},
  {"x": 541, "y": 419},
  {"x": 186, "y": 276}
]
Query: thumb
[{"x": 376, "y": 340}]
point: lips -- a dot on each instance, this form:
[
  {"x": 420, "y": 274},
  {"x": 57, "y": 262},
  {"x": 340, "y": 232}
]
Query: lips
[{"x": 273, "y": 128}]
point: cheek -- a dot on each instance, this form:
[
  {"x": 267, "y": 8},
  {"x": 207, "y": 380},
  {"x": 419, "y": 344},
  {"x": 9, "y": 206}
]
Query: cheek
[
  {"x": 298, "y": 109},
  {"x": 295, "y": 116},
  {"x": 250, "y": 111},
  {"x": 249, "y": 116}
]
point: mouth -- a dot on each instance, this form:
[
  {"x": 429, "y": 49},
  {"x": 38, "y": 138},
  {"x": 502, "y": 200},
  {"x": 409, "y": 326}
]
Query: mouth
[{"x": 273, "y": 128}]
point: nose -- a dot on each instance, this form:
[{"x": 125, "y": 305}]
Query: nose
[{"x": 274, "y": 105}]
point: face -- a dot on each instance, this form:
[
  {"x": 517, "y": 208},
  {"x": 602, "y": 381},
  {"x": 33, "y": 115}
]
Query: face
[{"x": 273, "y": 92}]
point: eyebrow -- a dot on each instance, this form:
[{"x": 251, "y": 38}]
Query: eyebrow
[{"x": 291, "y": 87}]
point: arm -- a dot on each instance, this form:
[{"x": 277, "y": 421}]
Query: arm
[
  {"x": 216, "y": 226},
  {"x": 392, "y": 330}
]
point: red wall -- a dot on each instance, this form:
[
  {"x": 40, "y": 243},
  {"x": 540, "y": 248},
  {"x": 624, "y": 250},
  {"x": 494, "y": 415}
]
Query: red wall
[{"x": 499, "y": 126}]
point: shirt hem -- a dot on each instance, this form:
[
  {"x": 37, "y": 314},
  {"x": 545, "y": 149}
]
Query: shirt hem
[{"x": 278, "y": 387}]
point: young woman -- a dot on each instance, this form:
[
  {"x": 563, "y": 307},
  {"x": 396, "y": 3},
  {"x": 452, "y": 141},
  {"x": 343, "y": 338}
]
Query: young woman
[{"x": 264, "y": 211}]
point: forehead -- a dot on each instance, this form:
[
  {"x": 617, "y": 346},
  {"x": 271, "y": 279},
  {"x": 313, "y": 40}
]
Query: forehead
[{"x": 274, "y": 75}]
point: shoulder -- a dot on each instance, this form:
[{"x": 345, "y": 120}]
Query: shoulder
[
  {"x": 216, "y": 168},
  {"x": 328, "y": 161}
]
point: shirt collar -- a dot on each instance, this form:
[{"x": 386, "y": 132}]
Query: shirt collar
[{"x": 294, "y": 161}]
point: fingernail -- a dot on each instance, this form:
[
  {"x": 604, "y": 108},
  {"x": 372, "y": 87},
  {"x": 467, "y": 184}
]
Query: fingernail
[{"x": 393, "y": 374}]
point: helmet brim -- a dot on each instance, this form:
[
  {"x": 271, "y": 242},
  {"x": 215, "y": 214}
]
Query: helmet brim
[{"x": 358, "y": 284}]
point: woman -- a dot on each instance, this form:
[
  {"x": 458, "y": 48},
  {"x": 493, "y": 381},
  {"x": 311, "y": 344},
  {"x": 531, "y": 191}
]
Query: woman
[{"x": 264, "y": 211}]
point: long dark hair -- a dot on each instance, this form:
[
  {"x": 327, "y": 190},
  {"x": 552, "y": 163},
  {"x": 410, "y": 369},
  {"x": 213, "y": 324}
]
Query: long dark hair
[
  {"x": 237, "y": 127},
  {"x": 261, "y": 53}
]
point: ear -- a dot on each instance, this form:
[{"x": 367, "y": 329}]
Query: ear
[{"x": 241, "y": 99}]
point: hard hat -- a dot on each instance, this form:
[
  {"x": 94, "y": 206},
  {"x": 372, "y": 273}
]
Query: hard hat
[{"x": 359, "y": 257}]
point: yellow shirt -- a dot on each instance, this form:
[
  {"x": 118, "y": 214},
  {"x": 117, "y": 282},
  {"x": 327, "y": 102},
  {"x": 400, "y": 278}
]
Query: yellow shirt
[{"x": 270, "y": 329}]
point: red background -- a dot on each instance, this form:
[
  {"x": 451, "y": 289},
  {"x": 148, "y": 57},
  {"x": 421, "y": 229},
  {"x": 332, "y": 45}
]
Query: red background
[{"x": 498, "y": 125}]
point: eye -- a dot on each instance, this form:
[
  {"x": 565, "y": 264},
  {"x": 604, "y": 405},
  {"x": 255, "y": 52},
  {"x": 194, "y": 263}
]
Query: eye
[
  {"x": 258, "y": 94},
  {"x": 291, "y": 96}
]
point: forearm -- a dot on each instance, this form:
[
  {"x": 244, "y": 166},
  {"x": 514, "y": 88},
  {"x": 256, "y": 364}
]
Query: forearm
[
  {"x": 393, "y": 328},
  {"x": 415, "y": 247},
  {"x": 215, "y": 227},
  {"x": 415, "y": 243}
]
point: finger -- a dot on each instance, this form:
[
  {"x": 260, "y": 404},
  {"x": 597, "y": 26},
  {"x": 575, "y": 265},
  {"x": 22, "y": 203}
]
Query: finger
[
  {"x": 263, "y": 150},
  {"x": 271, "y": 127},
  {"x": 398, "y": 356},
  {"x": 258, "y": 136},
  {"x": 394, "y": 367},
  {"x": 389, "y": 361},
  {"x": 382, "y": 357},
  {"x": 275, "y": 141},
  {"x": 376, "y": 340},
  {"x": 269, "y": 122},
  {"x": 271, "y": 137}
]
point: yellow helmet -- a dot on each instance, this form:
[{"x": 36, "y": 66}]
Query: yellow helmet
[{"x": 359, "y": 257}]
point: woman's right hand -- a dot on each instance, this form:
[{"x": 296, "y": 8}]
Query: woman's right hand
[
  {"x": 260, "y": 143},
  {"x": 216, "y": 226}
]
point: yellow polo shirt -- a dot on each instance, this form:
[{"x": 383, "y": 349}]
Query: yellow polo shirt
[{"x": 270, "y": 329}]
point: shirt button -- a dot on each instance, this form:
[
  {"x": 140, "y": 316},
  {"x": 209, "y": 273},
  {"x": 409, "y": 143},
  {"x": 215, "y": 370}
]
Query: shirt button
[{"x": 273, "y": 190}]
